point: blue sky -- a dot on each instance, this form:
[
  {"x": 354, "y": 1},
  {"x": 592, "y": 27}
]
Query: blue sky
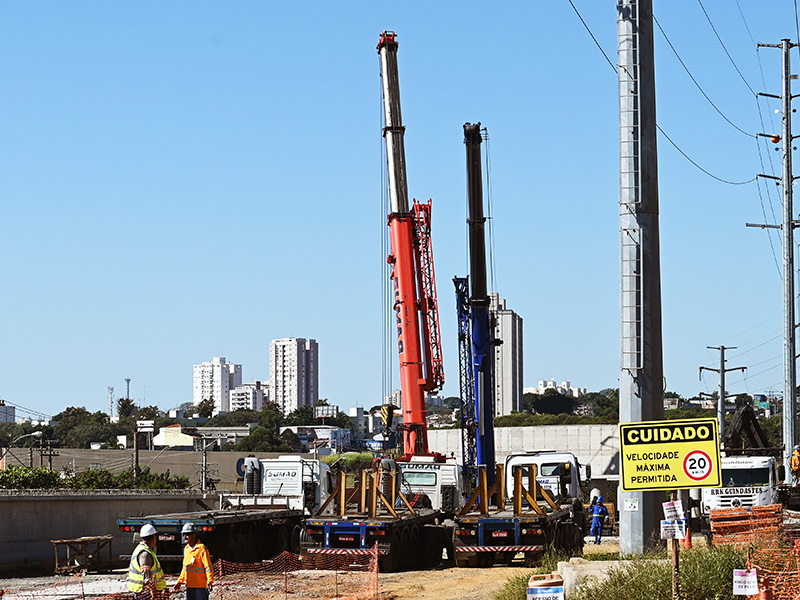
[{"x": 186, "y": 180}]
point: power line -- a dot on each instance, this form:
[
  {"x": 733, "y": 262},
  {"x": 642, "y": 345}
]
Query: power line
[
  {"x": 702, "y": 91},
  {"x": 686, "y": 156},
  {"x": 721, "y": 180},
  {"x": 724, "y": 48}
]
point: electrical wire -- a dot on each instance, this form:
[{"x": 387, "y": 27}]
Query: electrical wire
[
  {"x": 385, "y": 279},
  {"x": 735, "y": 66},
  {"x": 613, "y": 66},
  {"x": 39, "y": 415},
  {"x": 702, "y": 91},
  {"x": 489, "y": 211},
  {"x": 686, "y": 156}
]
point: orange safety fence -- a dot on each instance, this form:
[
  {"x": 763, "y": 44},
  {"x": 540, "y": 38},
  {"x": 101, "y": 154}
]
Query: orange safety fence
[
  {"x": 778, "y": 569},
  {"x": 742, "y": 527},
  {"x": 345, "y": 577}
]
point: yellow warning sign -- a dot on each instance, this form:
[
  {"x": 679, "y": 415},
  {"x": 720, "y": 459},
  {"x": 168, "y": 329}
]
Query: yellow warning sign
[{"x": 669, "y": 455}]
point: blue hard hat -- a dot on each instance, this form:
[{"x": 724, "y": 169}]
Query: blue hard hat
[{"x": 599, "y": 498}]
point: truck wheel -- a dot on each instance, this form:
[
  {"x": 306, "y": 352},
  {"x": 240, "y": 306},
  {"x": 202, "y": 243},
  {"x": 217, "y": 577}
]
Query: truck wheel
[
  {"x": 485, "y": 560},
  {"x": 294, "y": 543},
  {"x": 282, "y": 541},
  {"x": 416, "y": 554},
  {"x": 405, "y": 551}
]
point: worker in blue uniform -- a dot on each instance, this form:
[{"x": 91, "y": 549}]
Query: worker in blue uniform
[{"x": 599, "y": 514}]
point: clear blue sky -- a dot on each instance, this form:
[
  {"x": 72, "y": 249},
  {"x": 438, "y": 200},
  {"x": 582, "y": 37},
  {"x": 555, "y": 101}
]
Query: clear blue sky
[{"x": 185, "y": 180}]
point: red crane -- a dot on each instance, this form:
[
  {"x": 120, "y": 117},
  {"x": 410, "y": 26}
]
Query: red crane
[{"x": 416, "y": 313}]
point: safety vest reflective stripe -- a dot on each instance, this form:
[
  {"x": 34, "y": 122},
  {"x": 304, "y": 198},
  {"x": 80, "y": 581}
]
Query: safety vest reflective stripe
[{"x": 135, "y": 575}]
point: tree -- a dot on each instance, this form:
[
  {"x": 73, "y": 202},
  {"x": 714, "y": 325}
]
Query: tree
[
  {"x": 149, "y": 413},
  {"x": 263, "y": 439},
  {"x": 206, "y": 407},
  {"x": 125, "y": 407},
  {"x": 237, "y": 418},
  {"x": 302, "y": 415},
  {"x": 452, "y": 402},
  {"x": 555, "y": 403}
]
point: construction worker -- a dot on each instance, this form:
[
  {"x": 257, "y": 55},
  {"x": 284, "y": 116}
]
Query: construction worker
[
  {"x": 599, "y": 514},
  {"x": 145, "y": 576},
  {"x": 794, "y": 466},
  {"x": 197, "y": 572}
]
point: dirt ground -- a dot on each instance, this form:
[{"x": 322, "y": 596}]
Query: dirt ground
[{"x": 441, "y": 584}]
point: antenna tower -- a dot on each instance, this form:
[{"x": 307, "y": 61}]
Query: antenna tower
[{"x": 111, "y": 401}]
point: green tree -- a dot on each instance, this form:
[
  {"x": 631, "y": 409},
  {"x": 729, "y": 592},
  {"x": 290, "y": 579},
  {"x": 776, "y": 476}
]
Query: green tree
[
  {"x": 125, "y": 407},
  {"x": 263, "y": 439},
  {"x": 302, "y": 415},
  {"x": 554, "y": 403},
  {"x": 149, "y": 413},
  {"x": 206, "y": 408},
  {"x": 237, "y": 418},
  {"x": 452, "y": 402}
]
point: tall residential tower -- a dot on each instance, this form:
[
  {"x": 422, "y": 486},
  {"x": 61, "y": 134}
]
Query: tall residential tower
[
  {"x": 294, "y": 373},
  {"x": 507, "y": 356},
  {"x": 216, "y": 379}
]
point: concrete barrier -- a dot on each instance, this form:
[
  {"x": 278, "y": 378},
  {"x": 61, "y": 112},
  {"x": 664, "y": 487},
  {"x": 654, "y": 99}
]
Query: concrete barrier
[{"x": 29, "y": 519}]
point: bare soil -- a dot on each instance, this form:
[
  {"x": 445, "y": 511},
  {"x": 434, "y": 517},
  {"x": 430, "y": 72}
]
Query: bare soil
[{"x": 440, "y": 584}]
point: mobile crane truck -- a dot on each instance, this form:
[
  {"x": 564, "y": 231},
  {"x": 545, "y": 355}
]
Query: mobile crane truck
[
  {"x": 408, "y": 529},
  {"x": 265, "y": 520},
  {"x": 538, "y": 505}
]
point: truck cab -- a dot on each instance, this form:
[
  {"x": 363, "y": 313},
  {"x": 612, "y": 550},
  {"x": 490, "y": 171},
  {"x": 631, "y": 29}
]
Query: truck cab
[
  {"x": 441, "y": 482},
  {"x": 557, "y": 472},
  {"x": 289, "y": 480},
  {"x": 746, "y": 481}
]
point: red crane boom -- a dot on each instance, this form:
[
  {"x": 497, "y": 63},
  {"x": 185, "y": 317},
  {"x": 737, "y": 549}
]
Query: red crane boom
[{"x": 416, "y": 313}]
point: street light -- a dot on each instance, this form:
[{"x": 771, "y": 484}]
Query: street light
[{"x": 36, "y": 434}]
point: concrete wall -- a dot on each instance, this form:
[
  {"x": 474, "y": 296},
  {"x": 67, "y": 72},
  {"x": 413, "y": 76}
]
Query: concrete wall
[
  {"x": 595, "y": 445},
  {"x": 29, "y": 520}
]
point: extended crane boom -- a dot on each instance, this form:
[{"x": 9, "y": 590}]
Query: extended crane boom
[
  {"x": 418, "y": 341},
  {"x": 482, "y": 348}
]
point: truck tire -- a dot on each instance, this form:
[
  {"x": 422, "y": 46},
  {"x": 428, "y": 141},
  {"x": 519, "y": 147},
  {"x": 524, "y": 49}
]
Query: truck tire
[
  {"x": 416, "y": 554},
  {"x": 281, "y": 540},
  {"x": 294, "y": 541}
]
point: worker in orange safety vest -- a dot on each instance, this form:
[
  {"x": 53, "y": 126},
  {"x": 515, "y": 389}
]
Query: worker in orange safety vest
[{"x": 197, "y": 572}]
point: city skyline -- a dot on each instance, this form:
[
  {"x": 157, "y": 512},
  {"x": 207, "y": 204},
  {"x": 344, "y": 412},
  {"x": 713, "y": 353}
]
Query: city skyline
[{"x": 169, "y": 195}]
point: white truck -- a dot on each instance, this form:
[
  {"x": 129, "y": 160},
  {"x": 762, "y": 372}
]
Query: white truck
[
  {"x": 499, "y": 534},
  {"x": 746, "y": 481},
  {"x": 441, "y": 482},
  {"x": 557, "y": 472},
  {"x": 290, "y": 480}
]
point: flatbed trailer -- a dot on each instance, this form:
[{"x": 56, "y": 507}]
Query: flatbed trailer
[
  {"x": 486, "y": 534},
  {"x": 240, "y": 535},
  {"x": 410, "y": 541},
  {"x": 497, "y": 538}
]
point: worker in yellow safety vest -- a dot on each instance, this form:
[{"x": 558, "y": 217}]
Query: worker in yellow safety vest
[
  {"x": 145, "y": 576},
  {"x": 197, "y": 572},
  {"x": 794, "y": 466}
]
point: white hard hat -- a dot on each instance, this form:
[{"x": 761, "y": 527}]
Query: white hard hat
[
  {"x": 147, "y": 530},
  {"x": 188, "y": 528}
]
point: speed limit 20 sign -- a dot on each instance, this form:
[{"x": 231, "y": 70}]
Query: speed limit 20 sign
[{"x": 669, "y": 455}]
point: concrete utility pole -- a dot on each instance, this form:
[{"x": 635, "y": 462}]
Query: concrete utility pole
[
  {"x": 641, "y": 381},
  {"x": 788, "y": 225},
  {"x": 722, "y": 370}
]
